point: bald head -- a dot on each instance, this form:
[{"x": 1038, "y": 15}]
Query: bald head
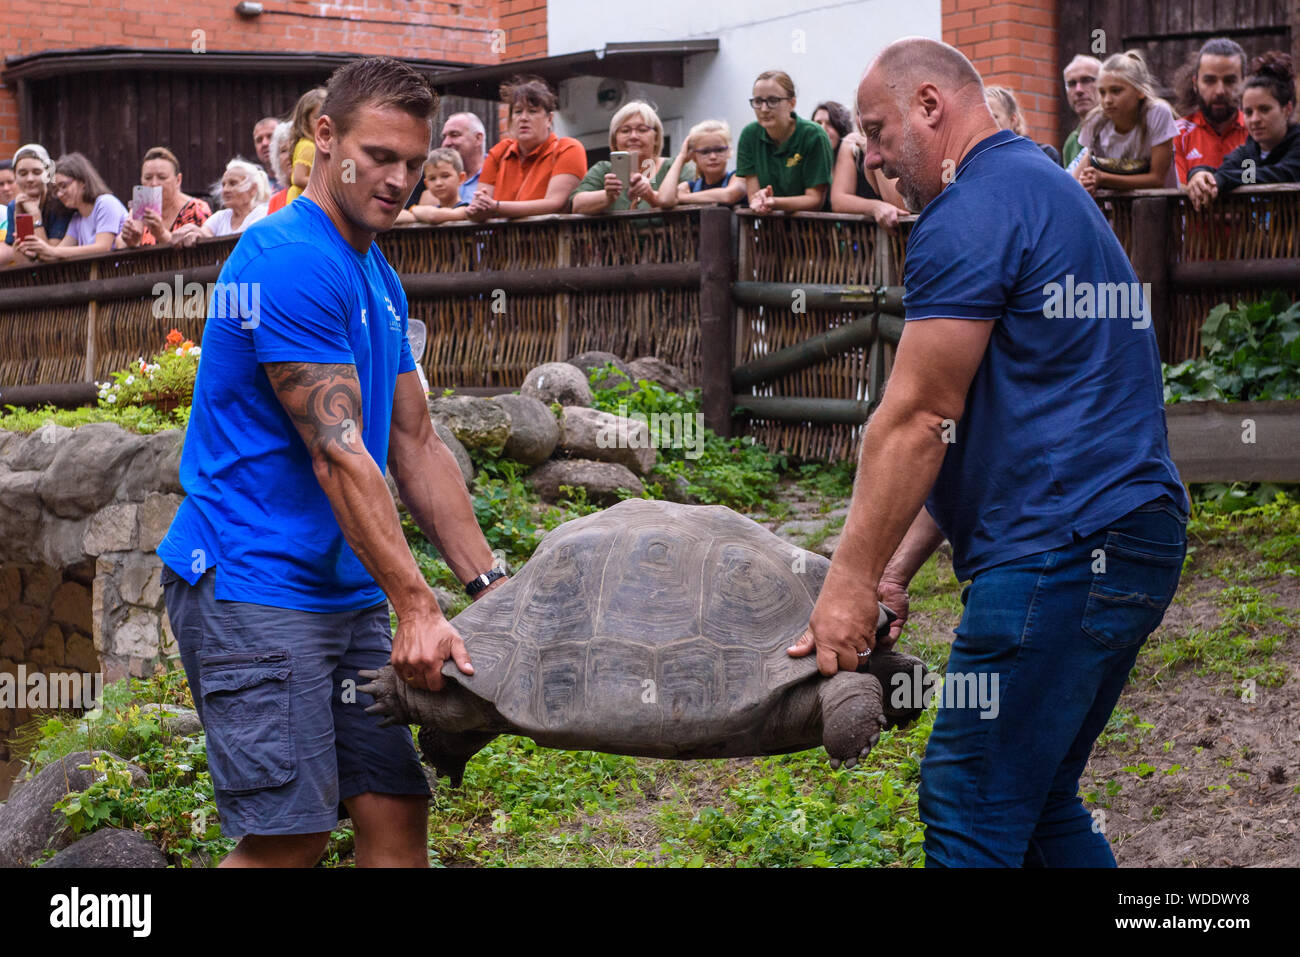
[
  {"x": 907, "y": 64},
  {"x": 921, "y": 106}
]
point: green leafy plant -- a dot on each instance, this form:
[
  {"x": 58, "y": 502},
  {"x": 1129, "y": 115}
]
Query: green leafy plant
[{"x": 1252, "y": 352}]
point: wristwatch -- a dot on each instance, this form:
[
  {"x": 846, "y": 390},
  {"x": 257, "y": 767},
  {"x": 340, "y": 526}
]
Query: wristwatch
[{"x": 476, "y": 585}]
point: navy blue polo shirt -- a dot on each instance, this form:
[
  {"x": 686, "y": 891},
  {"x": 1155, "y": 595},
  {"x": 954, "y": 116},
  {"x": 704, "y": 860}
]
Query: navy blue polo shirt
[
  {"x": 1064, "y": 427},
  {"x": 254, "y": 508}
]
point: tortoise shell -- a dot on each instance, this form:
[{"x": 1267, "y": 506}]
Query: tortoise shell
[{"x": 650, "y": 621}]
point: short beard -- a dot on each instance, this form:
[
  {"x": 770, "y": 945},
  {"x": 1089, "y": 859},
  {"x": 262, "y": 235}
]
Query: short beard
[
  {"x": 1216, "y": 112},
  {"x": 910, "y": 172}
]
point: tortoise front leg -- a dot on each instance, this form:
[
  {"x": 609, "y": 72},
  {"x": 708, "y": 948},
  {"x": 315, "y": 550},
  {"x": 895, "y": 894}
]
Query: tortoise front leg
[{"x": 853, "y": 715}]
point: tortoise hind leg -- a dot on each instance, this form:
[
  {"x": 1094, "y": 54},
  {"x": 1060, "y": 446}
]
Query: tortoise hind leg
[
  {"x": 450, "y": 751},
  {"x": 904, "y": 679},
  {"x": 852, "y": 716}
]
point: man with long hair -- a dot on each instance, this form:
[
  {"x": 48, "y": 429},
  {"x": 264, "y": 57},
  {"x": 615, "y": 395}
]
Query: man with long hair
[{"x": 1211, "y": 124}]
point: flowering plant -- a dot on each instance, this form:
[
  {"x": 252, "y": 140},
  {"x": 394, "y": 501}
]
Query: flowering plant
[{"x": 164, "y": 383}]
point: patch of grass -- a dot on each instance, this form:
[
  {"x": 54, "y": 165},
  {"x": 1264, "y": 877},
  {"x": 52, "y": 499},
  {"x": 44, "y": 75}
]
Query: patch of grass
[
  {"x": 1241, "y": 647},
  {"x": 143, "y": 419}
]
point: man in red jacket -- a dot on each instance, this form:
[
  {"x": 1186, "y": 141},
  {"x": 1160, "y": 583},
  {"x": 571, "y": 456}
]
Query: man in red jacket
[{"x": 1210, "y": 88}]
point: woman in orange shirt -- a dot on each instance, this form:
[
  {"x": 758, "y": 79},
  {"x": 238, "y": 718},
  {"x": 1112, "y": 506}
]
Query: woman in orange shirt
[{"x": 532, "y": 172}]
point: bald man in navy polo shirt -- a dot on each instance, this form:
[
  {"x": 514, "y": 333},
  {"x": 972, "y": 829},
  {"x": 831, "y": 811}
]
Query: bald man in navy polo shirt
[{"x": 1032, "y": 431}]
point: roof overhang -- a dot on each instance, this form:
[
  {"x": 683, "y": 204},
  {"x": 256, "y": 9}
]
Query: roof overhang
[
  {"x": 52, "y": 63},
  {"x": 661, "y": 63}
]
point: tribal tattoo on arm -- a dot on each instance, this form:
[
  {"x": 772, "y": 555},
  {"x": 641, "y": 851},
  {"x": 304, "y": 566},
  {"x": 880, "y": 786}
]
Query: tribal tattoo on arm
[{"x": 324, "y": 402}]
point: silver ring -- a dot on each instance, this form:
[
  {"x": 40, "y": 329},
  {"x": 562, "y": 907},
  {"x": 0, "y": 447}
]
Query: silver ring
[{"x": 864, "y": 654}]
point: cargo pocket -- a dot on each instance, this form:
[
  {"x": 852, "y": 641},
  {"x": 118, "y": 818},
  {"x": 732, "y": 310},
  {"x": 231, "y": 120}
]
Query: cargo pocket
[
  {"x": 246, "y": 717},
  {"x": 1128, "y": 599}
]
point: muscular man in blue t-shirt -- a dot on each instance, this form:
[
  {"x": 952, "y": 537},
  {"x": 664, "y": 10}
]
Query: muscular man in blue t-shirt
[
  {"x": 1025, "y": 411},
  {"x": 280, "y": 557}
]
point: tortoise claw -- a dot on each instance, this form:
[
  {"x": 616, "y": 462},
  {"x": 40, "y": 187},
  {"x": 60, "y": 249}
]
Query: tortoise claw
[{"x": 835, "y": 764}]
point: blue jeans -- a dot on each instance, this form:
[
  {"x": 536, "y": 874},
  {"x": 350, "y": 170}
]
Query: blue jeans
[{"x": 1048, "y": 640}]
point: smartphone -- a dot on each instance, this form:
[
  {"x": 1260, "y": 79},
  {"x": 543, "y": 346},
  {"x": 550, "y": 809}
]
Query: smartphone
[
  {"x": 24, "y": 226},
  {"x": 144, "y": 198},
  {"x": 621, "y": 164}
]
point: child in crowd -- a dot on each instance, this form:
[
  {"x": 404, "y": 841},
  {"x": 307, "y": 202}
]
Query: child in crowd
[
  {"x": 1127, "y": 138},
  {"x": 440, "y": 202},
  {"x": 1271, "y": 152},
  {"x": 304, "y": 140},
  {"x": 708, "y": 144},
  {"x": 1006, "y": 113}
]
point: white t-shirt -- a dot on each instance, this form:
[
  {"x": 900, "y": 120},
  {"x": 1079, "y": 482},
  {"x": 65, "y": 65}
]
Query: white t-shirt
[
  {"x": 219, "y": 222},
  {"x": 1158, "y": 126}
]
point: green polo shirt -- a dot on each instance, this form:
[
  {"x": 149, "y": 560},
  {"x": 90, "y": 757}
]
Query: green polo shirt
[
  {"x": 595, "y": 180},
  {"x": 1071, "y": 148},
  {"x": 801, "y": 162}
]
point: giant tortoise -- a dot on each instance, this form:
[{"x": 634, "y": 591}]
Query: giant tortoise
[{"x": 652, "y": 629}]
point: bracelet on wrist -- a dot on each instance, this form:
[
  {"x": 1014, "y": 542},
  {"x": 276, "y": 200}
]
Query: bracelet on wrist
[{"x": 477, "y": 584}]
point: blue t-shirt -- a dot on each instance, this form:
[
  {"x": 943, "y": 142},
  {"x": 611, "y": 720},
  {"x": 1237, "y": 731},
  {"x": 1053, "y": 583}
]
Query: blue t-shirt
[
  {"x": 469, "y": 188},
  {"x": 698, "y": 184},
  {"x": 55, "y": 222},
  {"x": 253, "y": 507},
  {"x": 1064, "y": 428}
]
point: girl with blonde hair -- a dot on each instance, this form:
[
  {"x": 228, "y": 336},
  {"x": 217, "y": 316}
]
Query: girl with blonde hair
[{"x": 1127, "y": 138}]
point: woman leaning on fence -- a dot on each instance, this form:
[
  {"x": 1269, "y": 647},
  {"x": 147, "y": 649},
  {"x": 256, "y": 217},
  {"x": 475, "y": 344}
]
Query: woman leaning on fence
[
  {"x": 635, "y": 128},
  {"x": 34, "y": 172},
  {"x": 1271, "y": 153},
  {"x": 182, "y": 214},
  {"x": 531, "y": 172},
  {"x": 97, "y": 213},
  {"x": 784, "y": 159}
]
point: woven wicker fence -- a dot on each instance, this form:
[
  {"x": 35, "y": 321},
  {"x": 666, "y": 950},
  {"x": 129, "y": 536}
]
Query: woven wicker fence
[{"x": 634, "y": 284}]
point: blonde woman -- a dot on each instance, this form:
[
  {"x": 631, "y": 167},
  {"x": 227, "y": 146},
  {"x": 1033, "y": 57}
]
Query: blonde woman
[
  {"x": 1006, "y": 112},
  {"x": 1128, "y": 138},
  {"x": 634, "y": 128},
  {"x": 244, "y": 195}
]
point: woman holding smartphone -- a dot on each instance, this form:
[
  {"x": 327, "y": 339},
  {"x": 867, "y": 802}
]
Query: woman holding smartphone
[
  {"x": 36, "y": 202},
  {"x": 784, "y": 159},
  {"x": 635, "y": 128},
  {"x": 97, "y": 213},
  {"x": 182, "y": 214}
]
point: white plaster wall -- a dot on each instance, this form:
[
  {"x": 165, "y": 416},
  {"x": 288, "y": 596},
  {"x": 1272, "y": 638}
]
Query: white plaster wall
[{"x": 824, "y": 46}]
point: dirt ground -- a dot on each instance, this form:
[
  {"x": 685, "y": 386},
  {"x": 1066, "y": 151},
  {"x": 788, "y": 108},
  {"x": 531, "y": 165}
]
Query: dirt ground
[{"x": 1213, "y": 772}]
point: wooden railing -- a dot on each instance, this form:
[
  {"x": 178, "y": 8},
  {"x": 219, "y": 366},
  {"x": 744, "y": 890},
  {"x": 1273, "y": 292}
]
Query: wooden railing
[{"x": 791, "y": 318}]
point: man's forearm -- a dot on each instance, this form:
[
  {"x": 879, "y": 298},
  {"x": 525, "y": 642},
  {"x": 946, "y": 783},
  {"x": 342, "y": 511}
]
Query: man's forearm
[
  {"x": 900, "y": 459},
  {"x": 922, "y": 538},
  {"x": 433, "y": 491},
  {"x": 366, "y": 514}
]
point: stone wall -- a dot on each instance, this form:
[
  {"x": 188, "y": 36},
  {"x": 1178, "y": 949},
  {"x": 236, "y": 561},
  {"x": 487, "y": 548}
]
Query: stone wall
[
  {"x": 81, "y": 514},
  {"x": 44, "y": 624}
]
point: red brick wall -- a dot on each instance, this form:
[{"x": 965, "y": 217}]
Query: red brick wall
[
  {"x": 1013, "y": 44},
  {"x": 424, "y": 29}
]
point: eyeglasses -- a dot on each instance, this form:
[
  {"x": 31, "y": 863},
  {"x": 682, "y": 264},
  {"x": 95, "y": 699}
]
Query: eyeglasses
[
  {"x": 768, "y": 101},
  {"x": 638, "y": 130},
  {"x": 713, "y": 150}
]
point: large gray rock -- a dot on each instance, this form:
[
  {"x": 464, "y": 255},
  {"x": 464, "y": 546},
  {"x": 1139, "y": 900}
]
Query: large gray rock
[
  {"x": 110, "y": 847},
  {"x": 534, "y": 433},
  {"x": 87, "y": 468},
  {"x": 590, "y": 361},
  {"x": 155, "y": 467},
  {"x": 35, "y": 451},
  {"x": 20, "y": 514},
  {"x": 61, "y": 541},
  {"x": 557, "y": 382},
  {"x": 602, "y": 480},
  {"x": 465, "y": 463},
  {"x": 656, "y": 370},
  {"x": 179, "y": 721},
  {"x": 592, "y": 434},
  {"x": 28, "y": 825},
  {"x": 478, "y": 423}
]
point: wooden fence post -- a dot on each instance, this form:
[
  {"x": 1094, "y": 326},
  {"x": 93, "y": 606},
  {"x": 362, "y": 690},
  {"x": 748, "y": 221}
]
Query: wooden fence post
[
  {"x": 1151, "y": 262},
  {"x": 717, "y": 317},
  {"x": 92, "y": 329}
]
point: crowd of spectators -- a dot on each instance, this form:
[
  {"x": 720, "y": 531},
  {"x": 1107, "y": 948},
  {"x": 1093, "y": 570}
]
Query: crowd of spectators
[{"x": 1233, "y": 124}]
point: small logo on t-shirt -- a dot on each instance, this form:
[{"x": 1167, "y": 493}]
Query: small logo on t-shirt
[
  {"x": 363, "y": 318},
  {"x": 394, "y": 321},
  {"x": 1194, "y": 154},
  {"x": 793, "y": 160}
]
